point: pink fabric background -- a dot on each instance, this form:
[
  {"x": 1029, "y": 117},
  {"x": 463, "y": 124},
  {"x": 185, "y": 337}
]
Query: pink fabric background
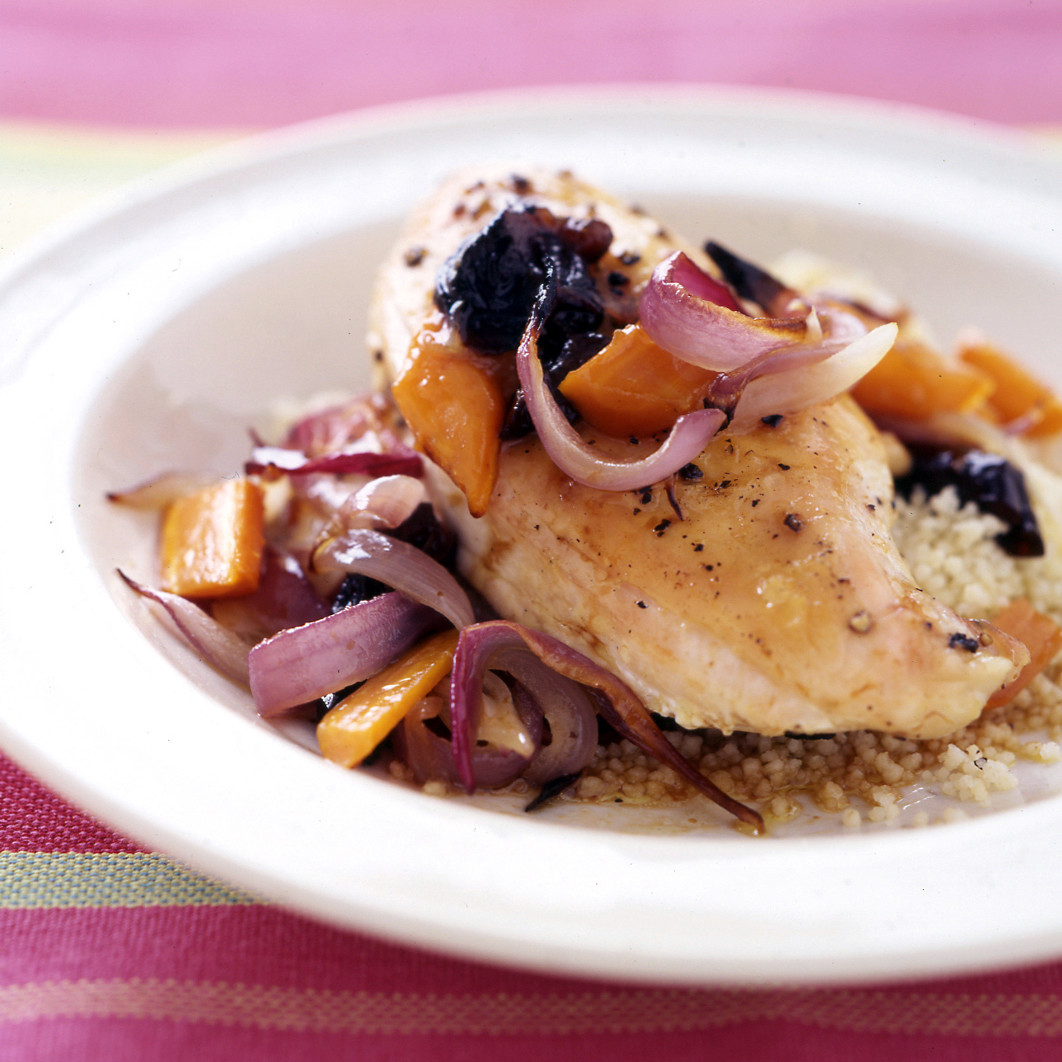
[
  {"x": 264, "y": 62},
  {"x": 112, "y": 978}
]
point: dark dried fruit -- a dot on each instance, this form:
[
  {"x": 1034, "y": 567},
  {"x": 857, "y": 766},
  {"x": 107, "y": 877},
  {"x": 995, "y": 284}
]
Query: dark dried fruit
[
  {"x": 423, "y": 530},
  {"x": 589, "y": 238},
  {"x": 355, "y": 589},
  {"x": 488, "y": 287},
  {"x": 991, "y": 482},
  {"x": 576, "y": 350}
]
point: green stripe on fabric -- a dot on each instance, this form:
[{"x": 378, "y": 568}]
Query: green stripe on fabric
[{"x": 108, "y": 879}]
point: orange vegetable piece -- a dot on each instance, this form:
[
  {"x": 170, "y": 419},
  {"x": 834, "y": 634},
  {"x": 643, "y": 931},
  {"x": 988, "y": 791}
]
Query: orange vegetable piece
[
  {"x": 452, "y": 400},
  {"x": 354, "y": 727},
  {"x": 1040, "y": 634},
  {"x": 913, "y": 381},
  {"x": 634, "y": 387},
  {"x": 212, "y": 540},
  {"x": 1018, "y": 395}
]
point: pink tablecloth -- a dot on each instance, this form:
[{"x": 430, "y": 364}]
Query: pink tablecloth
[
  {"x": 109, "y": 952},
  {"x": 264, "y": 62}
]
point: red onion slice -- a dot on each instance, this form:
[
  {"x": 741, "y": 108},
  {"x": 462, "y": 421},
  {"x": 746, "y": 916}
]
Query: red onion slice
[
  {"x": 218, "y": 646},
  {"x": 303, "y": 663},
  {"x": 159, "y": 491},
  {"x": 386, "y": 501},
  {"x": 676, "y": 315},
  {"x": 335, "y": 427},
  {"x": 565, "y": 707},
  {"x": 430, "y": 756},
  {"x": 702, "y": 285},
  {"x": 284, "y": 598},
  {"x": 767, "y": 365},
  {"x": 798, "y": 382},
  {"x": 689, "y": 436},
  {"x": 617, "y": 702},
  {"x": 279, "y": 459},
  {"x": 397, "y": 564}
]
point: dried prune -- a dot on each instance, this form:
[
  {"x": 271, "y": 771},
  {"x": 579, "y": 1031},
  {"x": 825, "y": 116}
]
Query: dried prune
[
  {"x": 355, "y": 589},
  {"x": 575, "y": 350},
  {"x": 423, "y": 530},
  {"x": 488, "y": 287},
  {"x": 589, "y": 238},
  {"x": 991, "y": 482}
]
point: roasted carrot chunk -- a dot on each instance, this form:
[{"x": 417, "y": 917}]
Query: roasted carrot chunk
[
  {"x": 453, "y": 403},
  {"x": 1040, "y": 635},
  {"x": 212, "y": 540},
  {"x": 1017, "y": 396},
  {"x": 634, "y": 387},
  {"x": 355, "y": 726},
  {"x": 913, "y": 381}
]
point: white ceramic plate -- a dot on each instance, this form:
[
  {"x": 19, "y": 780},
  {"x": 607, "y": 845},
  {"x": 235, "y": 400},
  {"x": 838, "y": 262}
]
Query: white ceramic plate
[{"x": 150, "y": 335}]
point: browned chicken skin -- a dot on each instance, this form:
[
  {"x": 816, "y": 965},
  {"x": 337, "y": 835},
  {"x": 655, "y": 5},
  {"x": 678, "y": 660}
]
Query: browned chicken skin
[{"x": 765, "y": 595}]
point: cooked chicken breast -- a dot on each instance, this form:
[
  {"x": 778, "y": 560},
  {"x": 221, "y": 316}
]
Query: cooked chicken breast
[{"x": 765, "y": 595}]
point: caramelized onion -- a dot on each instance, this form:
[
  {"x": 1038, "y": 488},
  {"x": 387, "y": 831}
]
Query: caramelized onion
[
  {"x": 159, "y": 491},
  {"x": 303, "y": 663},
  {"x": 284, "y": 598},
  {"x": 280, "y": 459},
  {"x": 804, "y": 377},
  {"x": 566, "y": 709},
  {"x": 399, "y": 565},
  {"x": 619, "y": 704},
  {"x": 386, "y": 501},
  {"x": 561, "y": 702},
  {"x": 677, "y": 315},
  {"x": 767, "y": 365},
  {"x": 494, "y": 763},
  {"x": 218, "y": 646},
  {"x": 336, "y": 427}
]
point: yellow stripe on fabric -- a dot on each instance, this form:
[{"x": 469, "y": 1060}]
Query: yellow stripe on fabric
[
  {"x": 911, "y": 1012},
  {"x": 110, "y": 879}
]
